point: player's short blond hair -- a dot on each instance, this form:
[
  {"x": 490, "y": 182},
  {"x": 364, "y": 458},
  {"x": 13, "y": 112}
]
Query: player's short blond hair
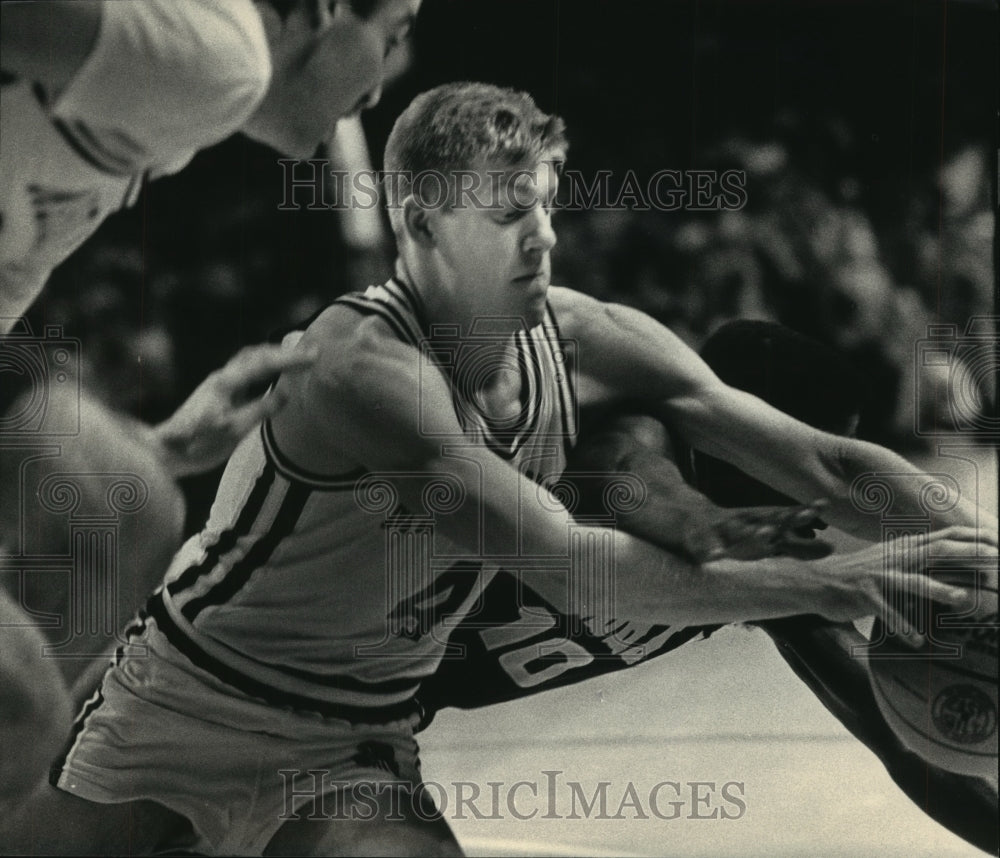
[{"x": 457, "y": 126}]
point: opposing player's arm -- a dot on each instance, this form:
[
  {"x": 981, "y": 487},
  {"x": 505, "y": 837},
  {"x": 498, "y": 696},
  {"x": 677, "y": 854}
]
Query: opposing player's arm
[
  {"x": 680, "y": 519},
  {"x": 369, "y": 402},
  {"x": 626, "y": 354},
  {"x": 49, "y": 41}
]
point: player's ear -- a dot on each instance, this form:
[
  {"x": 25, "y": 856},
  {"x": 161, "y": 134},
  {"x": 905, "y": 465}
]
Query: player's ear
[{"x": 417, "y": 221}]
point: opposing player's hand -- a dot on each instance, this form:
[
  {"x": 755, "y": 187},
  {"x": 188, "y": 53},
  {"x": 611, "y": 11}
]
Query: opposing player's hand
[
  {"x": 205, "y": 430},
  {"x": 753, "y": 533},
  {"x": 874, "y": 582}
]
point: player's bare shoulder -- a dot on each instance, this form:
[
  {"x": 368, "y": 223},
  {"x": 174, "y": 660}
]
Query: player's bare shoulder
[
  {"x": 361, "y": 403},
  {"x": 358, "y": 354},
  {"x": 623, "y": 354},
  {"x": 578, "y": 315}
]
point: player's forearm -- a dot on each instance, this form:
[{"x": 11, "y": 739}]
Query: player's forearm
[
  {"x": 672, "y": 510},
  {"x": 660, "y": 587},
  {"x": 159, "y": 444},
  {"x": 873, "y": 481},
  {"x": 612, "y": 574}
]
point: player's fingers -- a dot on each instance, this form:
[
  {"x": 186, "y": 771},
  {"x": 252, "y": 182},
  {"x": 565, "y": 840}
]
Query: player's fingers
[
  {"x": 898, "y": 625},
  {"x": 964, "y": 548},
  {"x": 812, "y": 513},
  {"x": 765, "y": 533},
  {"x": 989, "y": 536},
  {"x": 806, "y": 516},
  {"x": 921, "y": 587},
  {"x": 256, "y": 364},
  {"x": 955, "y": 533}
]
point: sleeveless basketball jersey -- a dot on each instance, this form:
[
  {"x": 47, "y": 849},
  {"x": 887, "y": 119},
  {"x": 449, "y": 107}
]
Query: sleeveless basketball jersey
[{"x": 324, "y": 592}]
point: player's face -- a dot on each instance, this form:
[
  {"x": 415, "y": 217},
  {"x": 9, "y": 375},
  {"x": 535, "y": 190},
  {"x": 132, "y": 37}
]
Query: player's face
[
  {"x": 326, "y": 72},
  {"x": 495, "y": 258}
]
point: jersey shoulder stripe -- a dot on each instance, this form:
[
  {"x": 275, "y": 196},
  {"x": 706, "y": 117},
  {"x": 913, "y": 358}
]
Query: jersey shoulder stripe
[
  {"x": 292, "y": 472},
  {"x": 378, "y": 301},
  {"x": 564, "y": 377},
  {"x": 398, "y": 289}
]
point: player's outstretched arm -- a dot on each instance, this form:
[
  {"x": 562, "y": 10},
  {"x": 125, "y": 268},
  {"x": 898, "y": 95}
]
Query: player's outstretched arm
[
  {"x": 205, "y": 430},
  {"x": 626, "y": 355},
  {"x": 372, "y": 402}
]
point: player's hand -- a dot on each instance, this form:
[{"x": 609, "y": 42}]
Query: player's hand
[
  {"x": 205, "y": 430},
  {"x": 753, "y": 533},
  {"x": 873, "y": 582}
]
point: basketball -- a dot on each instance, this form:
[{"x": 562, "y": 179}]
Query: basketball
[{"x": 941, "y": 699}]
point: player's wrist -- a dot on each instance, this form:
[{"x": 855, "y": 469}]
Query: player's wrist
[{"x": 769, "y": 588}]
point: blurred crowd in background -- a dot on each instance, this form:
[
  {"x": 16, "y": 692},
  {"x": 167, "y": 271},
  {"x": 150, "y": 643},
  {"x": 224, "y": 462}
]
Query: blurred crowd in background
[{"x": 866, "y": 133}]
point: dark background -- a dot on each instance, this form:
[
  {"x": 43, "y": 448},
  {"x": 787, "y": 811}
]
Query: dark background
[{"x": 867, "y": 131}]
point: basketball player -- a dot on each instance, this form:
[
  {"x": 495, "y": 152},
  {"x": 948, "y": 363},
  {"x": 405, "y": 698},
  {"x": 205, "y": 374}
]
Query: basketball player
[
  {"x": 411, "y": 460},
  {"x": 97, "y": 97}
]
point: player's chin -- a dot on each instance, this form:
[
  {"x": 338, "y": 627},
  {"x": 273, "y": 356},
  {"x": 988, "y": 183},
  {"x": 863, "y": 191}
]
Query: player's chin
[
  {"x": 534, "y": 310},
  {"x": 533, "y": 317}
]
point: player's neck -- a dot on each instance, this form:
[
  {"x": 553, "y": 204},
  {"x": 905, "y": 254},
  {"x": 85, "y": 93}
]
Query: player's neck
[{"x": 482, "y": 358}]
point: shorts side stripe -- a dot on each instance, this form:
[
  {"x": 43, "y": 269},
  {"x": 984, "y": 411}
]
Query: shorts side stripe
[{"x": 88, "y": 709}]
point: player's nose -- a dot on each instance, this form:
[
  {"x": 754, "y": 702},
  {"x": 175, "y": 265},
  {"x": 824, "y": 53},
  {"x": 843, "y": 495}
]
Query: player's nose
[{"x": 541, "y": 237}]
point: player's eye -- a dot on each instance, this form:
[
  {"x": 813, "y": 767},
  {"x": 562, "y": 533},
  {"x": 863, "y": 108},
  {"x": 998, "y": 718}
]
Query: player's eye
[
  {"x": 397, "y": 39},
  {"x": 513, "y": 214}
]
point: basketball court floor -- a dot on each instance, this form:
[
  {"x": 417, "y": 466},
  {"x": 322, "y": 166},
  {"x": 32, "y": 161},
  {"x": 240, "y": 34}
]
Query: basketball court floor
[{"x": 716, "y": 714}]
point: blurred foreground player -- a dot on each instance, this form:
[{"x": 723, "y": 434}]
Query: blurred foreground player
[
  {"x": 273, "y": 707},
  {"x": 95, "y": 98},
  {"x": 802, "y": 378},
  {"x": 34, "y": 707}
]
